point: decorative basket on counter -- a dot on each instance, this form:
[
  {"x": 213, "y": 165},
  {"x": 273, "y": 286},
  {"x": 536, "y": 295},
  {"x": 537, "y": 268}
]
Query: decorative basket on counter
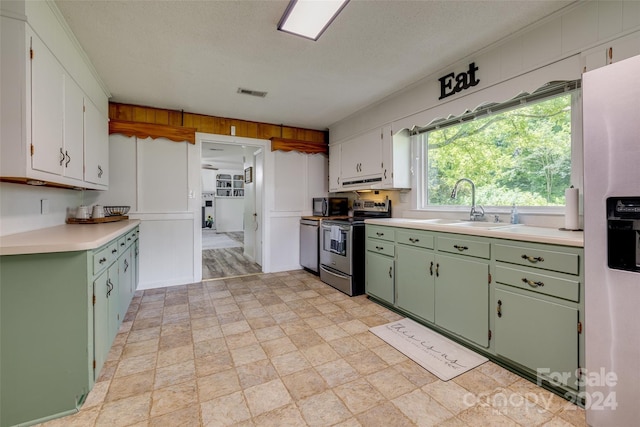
[{"x": 116, "y": 210}]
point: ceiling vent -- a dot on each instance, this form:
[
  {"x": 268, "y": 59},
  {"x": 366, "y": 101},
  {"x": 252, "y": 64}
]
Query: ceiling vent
[{"x": 252, "y": 92}]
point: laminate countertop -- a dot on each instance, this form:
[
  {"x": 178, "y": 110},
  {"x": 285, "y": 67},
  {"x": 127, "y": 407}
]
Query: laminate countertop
[
  {"x": 64, "y": 238},
  {"x": 520, "y": 232}
]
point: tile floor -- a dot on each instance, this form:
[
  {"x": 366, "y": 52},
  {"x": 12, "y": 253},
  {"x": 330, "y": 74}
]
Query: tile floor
[{"x": 285, "y": 349}]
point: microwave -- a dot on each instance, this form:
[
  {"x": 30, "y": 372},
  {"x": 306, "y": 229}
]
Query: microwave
[{"x": 330, "y": 206}]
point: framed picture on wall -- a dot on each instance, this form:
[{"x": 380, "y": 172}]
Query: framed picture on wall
[{"x": 248, "y": 175}]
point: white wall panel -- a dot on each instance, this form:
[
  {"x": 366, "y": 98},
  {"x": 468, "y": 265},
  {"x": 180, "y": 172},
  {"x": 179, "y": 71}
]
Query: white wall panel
[
  {"x": 541, "y": 44},
  {"x": 630, "y": 14},
  {"x": 285, "y": 243},
  {"x": 580, "y": 27},
  {"x": 122, "y": 179},
  {"x": 166, "y": 251},
  {"x": 162, "y": 175},
  {"x": 317, "y": 182},
  {"x": 290, "y": 179}
]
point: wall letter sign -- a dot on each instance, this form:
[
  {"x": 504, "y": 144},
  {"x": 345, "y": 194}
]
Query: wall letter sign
[{"x": 452, "y": 83}]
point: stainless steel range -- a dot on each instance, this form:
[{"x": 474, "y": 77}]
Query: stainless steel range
[{"x": 342, "y": 246}]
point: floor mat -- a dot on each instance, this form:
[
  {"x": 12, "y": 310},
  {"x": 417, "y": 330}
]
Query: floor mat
[{"x": 437, "y": 354}]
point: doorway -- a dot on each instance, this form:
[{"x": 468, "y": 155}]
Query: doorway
[{"x": 231, "y": 195}]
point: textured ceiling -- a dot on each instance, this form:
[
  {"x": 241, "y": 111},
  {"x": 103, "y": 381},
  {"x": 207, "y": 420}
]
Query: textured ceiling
[{"x": 194, "y": 55}]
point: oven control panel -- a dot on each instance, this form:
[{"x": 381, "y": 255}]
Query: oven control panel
[{"x": 363, "y": 205}]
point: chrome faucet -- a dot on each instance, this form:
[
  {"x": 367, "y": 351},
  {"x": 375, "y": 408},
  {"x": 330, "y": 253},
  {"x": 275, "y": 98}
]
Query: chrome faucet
[{"x": 477, "y": 212}]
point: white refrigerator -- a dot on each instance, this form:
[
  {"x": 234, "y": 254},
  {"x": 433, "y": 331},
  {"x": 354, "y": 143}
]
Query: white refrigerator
[{"x": 611, "y": 125}]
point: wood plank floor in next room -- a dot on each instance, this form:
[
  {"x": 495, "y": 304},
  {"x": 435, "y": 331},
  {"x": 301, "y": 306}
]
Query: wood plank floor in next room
[{"x": 284, "y": 349}]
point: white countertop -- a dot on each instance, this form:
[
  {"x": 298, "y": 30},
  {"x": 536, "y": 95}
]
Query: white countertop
[
  {"x": 502, "y": 231},
  {"x": 64, "y": 238}
]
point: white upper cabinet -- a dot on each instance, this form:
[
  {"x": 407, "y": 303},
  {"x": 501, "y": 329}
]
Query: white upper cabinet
[
  {"x": 361, "y": 159},
  {"x": 374, "y": 160},
  {"x": 395, "y": 159},
  {"x": 52, "y": 131},
  {"x": 96, "y": 146},
  {"x": 335, "y": 183}
]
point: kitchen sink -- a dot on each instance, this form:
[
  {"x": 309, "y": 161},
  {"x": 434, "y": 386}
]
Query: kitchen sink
[
  {"x": 481, "y": 224},
  {"x": 465, "y": 223}
]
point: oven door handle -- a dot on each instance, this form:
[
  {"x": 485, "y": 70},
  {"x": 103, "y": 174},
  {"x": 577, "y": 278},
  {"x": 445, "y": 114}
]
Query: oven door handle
[
  {"x": 339, "y": 275},
  {"x": 342, "y": 228}
]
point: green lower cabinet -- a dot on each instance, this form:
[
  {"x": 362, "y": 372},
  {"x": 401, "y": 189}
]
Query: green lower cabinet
[
  {"x": 379, "y": 274},
  {"x": 59, "y": 315},
  {"x": 126, "y": 279},
  {"x": 105, "y": 314},
  {"x": 462, "y": 297},
  {"x": 44, "y": 333},
  {"x": 539, "y": 334},
  {"x": 415, "y": 284}
]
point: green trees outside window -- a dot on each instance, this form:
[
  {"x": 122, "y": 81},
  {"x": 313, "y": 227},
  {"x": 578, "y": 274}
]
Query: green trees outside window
[{"x": 520, "y": 156}]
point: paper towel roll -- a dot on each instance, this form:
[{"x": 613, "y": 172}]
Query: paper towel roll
[{"x": 571, "y": 203}]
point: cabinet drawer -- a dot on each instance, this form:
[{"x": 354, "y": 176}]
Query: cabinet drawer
[
  {"x": 414, "y": 238},
  {"x": 539, "y": 258},
  {"x": 104, "y": 257},
  {"x": 131, "y": 236},
  {"x": 534, "y": 281},
  {"x": 122, "y": 243},
  {"x": 464, "y": 247},
  {"x": 384, "y": 233},
  {"x": 381, "y": 247}
]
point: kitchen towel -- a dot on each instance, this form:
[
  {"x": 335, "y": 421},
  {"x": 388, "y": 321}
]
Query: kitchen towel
[
  {"x": 571, "y": 204},
  {"x": 336, "y": 239}
]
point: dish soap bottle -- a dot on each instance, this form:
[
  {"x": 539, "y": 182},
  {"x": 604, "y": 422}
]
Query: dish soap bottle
[{"x": 514, "y": 214}]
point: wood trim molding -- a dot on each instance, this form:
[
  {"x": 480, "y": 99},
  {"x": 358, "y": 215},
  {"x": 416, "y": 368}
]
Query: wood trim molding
[
  {"x": 309, "y": 147},
  {"x": 152, "y": 130}
]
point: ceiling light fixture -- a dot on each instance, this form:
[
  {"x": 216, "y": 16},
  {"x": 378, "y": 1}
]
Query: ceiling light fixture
[{"x": 310, "y": 18}]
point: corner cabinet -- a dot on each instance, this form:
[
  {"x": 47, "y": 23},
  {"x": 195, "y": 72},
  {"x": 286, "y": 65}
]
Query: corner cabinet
[
  {"x": 59, "y": 315},
  {"x": 377, "y": 159},
  {"x": 520, "y": 303},
  {"x": 52, "y": 130}
]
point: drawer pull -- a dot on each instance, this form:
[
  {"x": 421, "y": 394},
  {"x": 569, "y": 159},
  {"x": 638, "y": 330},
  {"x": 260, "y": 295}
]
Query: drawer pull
[
  {"x": 380, "y": 248},
  {"x": 461, "y": 248},
  {"x": 499, "y": 308},
  {"x": 379, "y": 234},
  {"x": 390, "y": 269},
  {"x": 102, "y": 260},
  {"x": 532, "y": 283},
  {"x": 532, "y": 259},
  {"x": 412, "y": 240},
  {"x": 113, "y": 251},
  {"x": 431, "y": 269},
  {"x": 122, "y": 244}
]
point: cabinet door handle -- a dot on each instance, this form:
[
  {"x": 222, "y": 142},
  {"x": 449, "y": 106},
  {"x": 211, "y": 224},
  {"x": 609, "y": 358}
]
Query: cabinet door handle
[
  {"x": 532, "y": 283},
  {"x": 385, "y": 174},
  {"x": 532, "y": 259},
  {"x": 109, "y": 287},
  {"x": 499, "y": 308},
  {"x": 66, "y": 153},
  {"x": 379, "y": 248},
  {"x": 126, "y": 265},
  {"x": 461, "y": 248},
  {"x": 437, "y": 270},
  {"x": 100, "y": 171},
  {"x": 431, "y": 269},
  {"x": 412, "y": 240},
  {"x": 61, "y": 156},
  {"x": 390, "y": 270}
]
